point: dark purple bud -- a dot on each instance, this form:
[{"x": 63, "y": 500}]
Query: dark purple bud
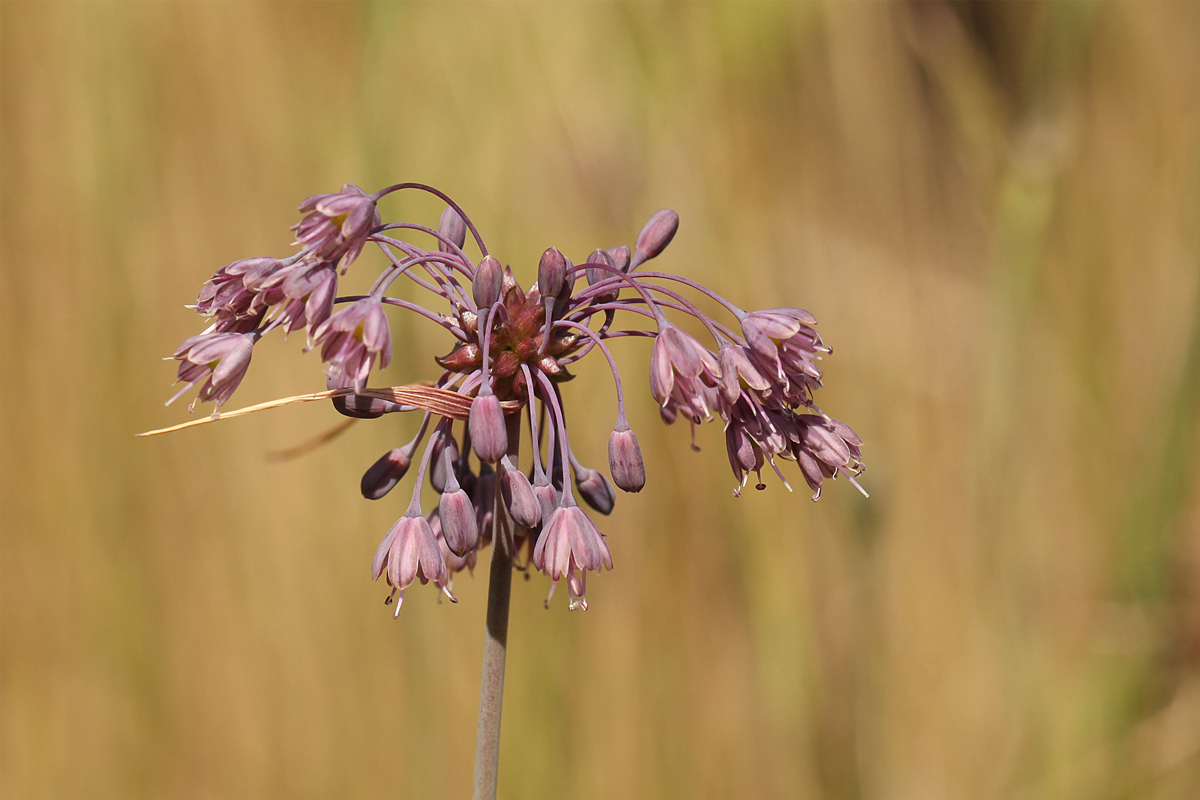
[
  {"x": 519, "y": 497},
  {"x": 489, "y": 275},
  {"x": 620, "y": 257},
  {"x": 360, "y": 406},
  {"x": 439, "y": 478},
  {"x": 595, "y": 490},
  {"x": 457, "y": 514},
  {"x": 625, "y": 461},
  {"x": 655, "y": 236},
  {"x": 385, "y": 473},
  {"x": 488, "y": 435},
  {"x": 552, "y": 271},
  {"x": 451, "y": 226}
]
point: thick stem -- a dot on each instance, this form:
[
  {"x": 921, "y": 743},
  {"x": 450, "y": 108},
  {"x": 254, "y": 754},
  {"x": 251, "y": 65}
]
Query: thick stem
[{"x": 495, "y": 640}]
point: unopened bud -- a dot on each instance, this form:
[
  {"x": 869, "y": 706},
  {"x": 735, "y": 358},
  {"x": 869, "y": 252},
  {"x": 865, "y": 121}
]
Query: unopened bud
[
  {"x": 598, "y": 275},
  {"x": 655, "y": 236},
  {"x": 552, "y": 271},
  {"x": 360, "y": 406},
  {"x": 439, "y": 476},
  {"x": 489, "y": 437},
  {"x": 597, "y": 492},
  {"x": 485, "y": 288},
  {"x": 625, "y": 461},
  {"x": 595, "y": 275},
  {"x": 620, "y": 257},
  {"x": 385, "y": 473},
  {"x": 519, "y": 498},
  {"x": 451, "y": 226},
  {"x": 457, "y": 515}
]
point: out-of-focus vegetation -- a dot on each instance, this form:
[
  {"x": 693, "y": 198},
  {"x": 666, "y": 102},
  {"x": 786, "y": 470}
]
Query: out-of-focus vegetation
[{"x": 994, "y": 212}]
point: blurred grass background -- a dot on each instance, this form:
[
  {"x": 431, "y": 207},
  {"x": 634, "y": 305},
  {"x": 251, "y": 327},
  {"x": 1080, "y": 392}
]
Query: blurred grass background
[{"x": 992, "y": 210}]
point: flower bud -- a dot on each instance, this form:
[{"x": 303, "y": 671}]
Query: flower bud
[
  {"x": 625, "y": 461},
  {"x": 489, "y": 437},
  {"x": 457, "y": 515},
  {"x": 552, "y": 271},
  {"x": 438, "y": 474},
  {"x": 385, "y": 473},
  {"x": 451, "y": 226},
  {"x": 595, "y": 276},
  {"x": 655, "y": 236},
  {"x": 519, "y": 498},
  {"x": 360, "y": 406},
  {"x": 620, "y": 257},
  {"x": 595, "y": 489},
  {"x": 485, "y": 288}
]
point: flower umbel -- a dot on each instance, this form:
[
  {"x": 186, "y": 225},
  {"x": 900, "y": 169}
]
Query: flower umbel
[{"x": 512, "y": 348}]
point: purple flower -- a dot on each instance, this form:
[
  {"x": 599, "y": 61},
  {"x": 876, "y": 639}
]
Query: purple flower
[
  {"x": 683, "y": 373},
  {"x": 227, "y": 295},
  {"x": 219, "y": 360},
  {"x": 336, "y": 225},
  {"x": 302, "y": 295},
  {"x": 785, "y": 340},
  {"x": 826, "y": 447},
  {"x": 352, "y": 340}
]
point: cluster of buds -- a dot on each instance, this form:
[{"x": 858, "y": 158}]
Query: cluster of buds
[{"x": 511, "y": 355}]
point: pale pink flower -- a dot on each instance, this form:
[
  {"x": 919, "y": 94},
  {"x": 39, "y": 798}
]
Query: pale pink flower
[
  {"x": 407, "y": 553},
  {"x": 569, "y": 546}
]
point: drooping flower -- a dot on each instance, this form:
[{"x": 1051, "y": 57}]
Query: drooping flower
[
  {"x": 569, "y": 546},
  {"x": 683, "y": 373},
  {"x": 352, "y": 340},
  {"x": 220, "y": 360},
  {"x": 227, "y": 294},
  {"x": 336, "y": 225},
  {"x": 786, "y": 341},
  {"x": 826, "y": 447},
  {"x": 407, "y": 553}
]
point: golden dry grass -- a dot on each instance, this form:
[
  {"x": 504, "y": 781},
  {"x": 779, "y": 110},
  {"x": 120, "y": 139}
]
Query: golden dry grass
[{"x": 994, "y": 211}]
